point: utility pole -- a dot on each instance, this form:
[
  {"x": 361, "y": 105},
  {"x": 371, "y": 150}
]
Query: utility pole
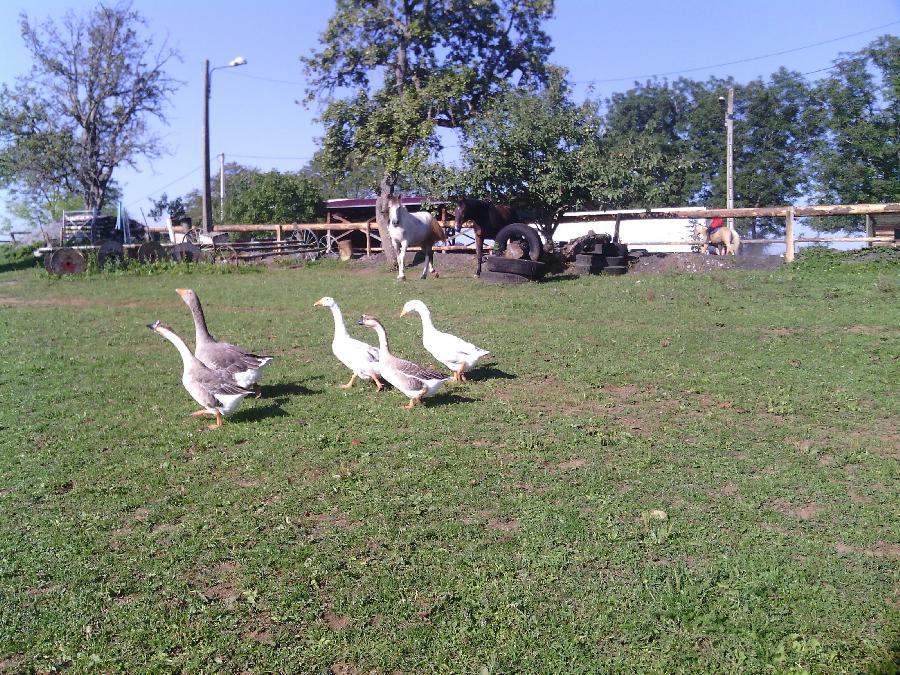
[
  {"x": 207, "y": 204},
  {"x": 222, "y": 187},
  {"x": 729, "y": 150}
]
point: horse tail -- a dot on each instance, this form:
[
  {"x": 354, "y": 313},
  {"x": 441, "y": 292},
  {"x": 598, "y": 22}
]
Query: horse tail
[
  {"x": 735, "y": 241},
  {"x": 437, "y": 232}
]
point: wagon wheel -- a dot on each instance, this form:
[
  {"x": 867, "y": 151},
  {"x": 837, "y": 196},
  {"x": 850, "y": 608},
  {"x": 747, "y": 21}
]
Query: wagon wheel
[
  {"x": 110, "y": 252},
  {"x": 185, "y": 252},
  {"x": 225, "y": 253},
  {"x": 192, "y": 236},
  {"x": 67, "y": 261},
  {"x": 329, "y": 246},
  {"x": 309, "y": 241},
  {"x": 151, "y": 251}
]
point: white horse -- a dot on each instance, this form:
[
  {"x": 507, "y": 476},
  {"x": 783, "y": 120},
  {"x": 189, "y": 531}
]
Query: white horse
[
  {"x": 724, "y": 239},
  {"x": 413, "y": 229}
]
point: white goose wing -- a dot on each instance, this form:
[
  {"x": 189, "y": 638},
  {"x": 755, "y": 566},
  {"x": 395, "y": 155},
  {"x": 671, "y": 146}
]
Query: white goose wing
[{"x": 448, "y": 347}]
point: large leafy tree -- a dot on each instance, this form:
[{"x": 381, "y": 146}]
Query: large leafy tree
[
  {"x": 656, "y": 114},
  {"x": 858, "y": 105},
  {"x": 773, "y": 137},
  {"x": 273, "y": 197},
  {"x": 410, "y": 67},
  {"x": 547, "y": 155},
  {"x": 95, "y": 83}
]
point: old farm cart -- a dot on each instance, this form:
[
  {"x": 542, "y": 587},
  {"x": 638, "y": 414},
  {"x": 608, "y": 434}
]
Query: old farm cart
[{"x": 114, "y": 238}]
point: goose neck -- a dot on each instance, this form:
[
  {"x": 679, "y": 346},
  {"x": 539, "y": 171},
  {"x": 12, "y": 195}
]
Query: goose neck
[
  {"x": 186, "y": 357},
  {"x": 340, "y": 329},
  {"x": 200, "y": 330}
]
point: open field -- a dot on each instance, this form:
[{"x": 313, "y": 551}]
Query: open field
[{"x": 651, "y": 473}]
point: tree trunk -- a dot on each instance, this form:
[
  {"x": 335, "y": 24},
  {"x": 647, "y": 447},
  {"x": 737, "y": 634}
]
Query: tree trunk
[{"x": 386, "y": 190}]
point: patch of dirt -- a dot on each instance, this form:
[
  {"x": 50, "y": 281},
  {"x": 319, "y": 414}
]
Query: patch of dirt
[
  {"x": 335, "y": 622},
  {"x": 574, "y": 463},
  {"x": 778, "y": 332},
  {"x": 38, "y": 591},
  {"x": 224, "y": 591},
  {"x": 879, "y": 549},
  {"x": 800, "y": 512},
  {"x": 246, "y": 482},
  {"x": 695, "y": 263},
  {"x": 858, "y": 498},
  {"x": 727, "y": 490},
  {"x": 870, "y": 330},
  {"x": 261, "y": 636},
  {"x": 511, "y": 525}
]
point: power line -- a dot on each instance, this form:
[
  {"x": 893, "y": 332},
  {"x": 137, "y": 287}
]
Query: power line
[
  {"x": 731, "y": 63},
  {"x": 268, "y": 79},
  {"x": 231, "y": 154},
  {"x": 147, "y": 196}
]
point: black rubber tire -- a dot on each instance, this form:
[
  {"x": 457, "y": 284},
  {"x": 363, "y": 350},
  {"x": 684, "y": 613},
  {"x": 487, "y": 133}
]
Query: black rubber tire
[
  {"x": 520, "y": 231},
  {"x": 592, "y": 261},
  {"x": 614, "y": 250},
  {"x": 151, "y": 251},
  {"x": 185, "y": 252},
  {"x": 585, "y": 270},
  {"x": 638, "y": 253},
  {"x": 614, "y": 271},
  {"x": 616, "y": 261},
  {"x": 525, "y": 268},
  {"x": 110, "y": 252},
  {"x": 503, "y": 278}
]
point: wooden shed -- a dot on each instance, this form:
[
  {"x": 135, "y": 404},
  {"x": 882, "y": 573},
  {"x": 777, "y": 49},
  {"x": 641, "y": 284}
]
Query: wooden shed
[{"x": 886, "y": 225}]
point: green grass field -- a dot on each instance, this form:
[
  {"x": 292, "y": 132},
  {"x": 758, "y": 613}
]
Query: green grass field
[{"x": 650, "y": 474}]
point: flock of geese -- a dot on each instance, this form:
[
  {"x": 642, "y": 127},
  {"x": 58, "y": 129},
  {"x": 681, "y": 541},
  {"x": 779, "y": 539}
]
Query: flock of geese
[{"x": 219, "y": 375}]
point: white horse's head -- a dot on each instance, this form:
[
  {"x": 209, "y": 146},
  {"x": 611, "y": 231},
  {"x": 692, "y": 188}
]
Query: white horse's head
[
  {"x": 699, "y": 231},
  {"x": 394, "y": 206}
]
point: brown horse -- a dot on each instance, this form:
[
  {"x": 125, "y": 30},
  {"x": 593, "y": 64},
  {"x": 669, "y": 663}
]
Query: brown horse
[{"x": 487, "y": 220}]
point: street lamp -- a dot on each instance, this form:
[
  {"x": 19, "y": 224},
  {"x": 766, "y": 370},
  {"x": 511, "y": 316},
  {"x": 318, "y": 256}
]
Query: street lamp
[
  {"x": 729, "y": 151},
  {"x": 207, "y": 200}
]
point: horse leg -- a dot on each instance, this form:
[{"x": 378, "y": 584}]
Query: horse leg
[
  {"x": 401, "y": 256},
  {"x": 479, "y": 250}
]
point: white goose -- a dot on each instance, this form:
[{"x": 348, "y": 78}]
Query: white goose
[
  {"x": 455, "y": 353},
  {"x": 416, "y": 381},
  {"x": 360, "y": 357},
  {"x": 215, "y": 390},
  {"x": 243, "y": 366}
]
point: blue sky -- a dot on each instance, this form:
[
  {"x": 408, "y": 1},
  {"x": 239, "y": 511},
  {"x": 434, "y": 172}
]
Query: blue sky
[{"x": 255, "y": 120}]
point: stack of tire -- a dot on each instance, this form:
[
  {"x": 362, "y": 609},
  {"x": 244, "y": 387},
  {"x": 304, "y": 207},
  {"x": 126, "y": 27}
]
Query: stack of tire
[
  {"x": 610, "y": 259},
  {"x": 506, "y": 269}
]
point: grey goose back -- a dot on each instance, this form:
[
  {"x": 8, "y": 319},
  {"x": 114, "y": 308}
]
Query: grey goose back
[
  {"x": 215, "y": 390},
  {"x": 416, "y": 381},
  {"x": 245, "y": 367}
]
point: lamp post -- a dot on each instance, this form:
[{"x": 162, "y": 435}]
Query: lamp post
[
  {"x": 207, "y": 200},
  {"x": 729, "y": 152}
]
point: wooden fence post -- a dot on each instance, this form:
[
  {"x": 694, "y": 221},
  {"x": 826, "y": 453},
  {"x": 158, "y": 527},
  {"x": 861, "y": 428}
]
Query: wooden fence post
[
  {"x": 870, "y": 229},
  {"x": 278, "y": 233},
  {"x": 789, "y": 236}
]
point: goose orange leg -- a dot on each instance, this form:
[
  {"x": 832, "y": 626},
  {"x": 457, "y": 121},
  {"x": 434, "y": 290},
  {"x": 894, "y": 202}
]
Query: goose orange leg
[
  {"x": 257, "y": 389},
  {"x": 378, "y": 383},
  {"x": 218, "y": 421},
  {"x": 349, "y": 384}
]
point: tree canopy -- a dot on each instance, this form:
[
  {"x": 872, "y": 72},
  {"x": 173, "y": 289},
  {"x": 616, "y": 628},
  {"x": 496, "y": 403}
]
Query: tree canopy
[
  {"x": 413, "y": 66},
  {"x": 83, "y": 110}
]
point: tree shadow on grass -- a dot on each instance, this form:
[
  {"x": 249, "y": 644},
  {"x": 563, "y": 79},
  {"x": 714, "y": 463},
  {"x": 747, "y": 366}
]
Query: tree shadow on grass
[
  {"x": 560, "y": 277},
  {"x": 260, "y": 412},
  {"x": 488, "y": 373},
  {"x": 17, "y": 265}
]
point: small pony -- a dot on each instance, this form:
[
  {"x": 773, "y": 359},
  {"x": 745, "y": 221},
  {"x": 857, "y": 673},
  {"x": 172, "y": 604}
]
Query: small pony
[
  {"x": 413, "y": 229},
  {"x": 487, "y": 220},
  {"x": 724, "y": 239}
]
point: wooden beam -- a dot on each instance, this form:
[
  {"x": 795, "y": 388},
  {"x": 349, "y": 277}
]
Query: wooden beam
[{"x": 789, "y": 236}]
